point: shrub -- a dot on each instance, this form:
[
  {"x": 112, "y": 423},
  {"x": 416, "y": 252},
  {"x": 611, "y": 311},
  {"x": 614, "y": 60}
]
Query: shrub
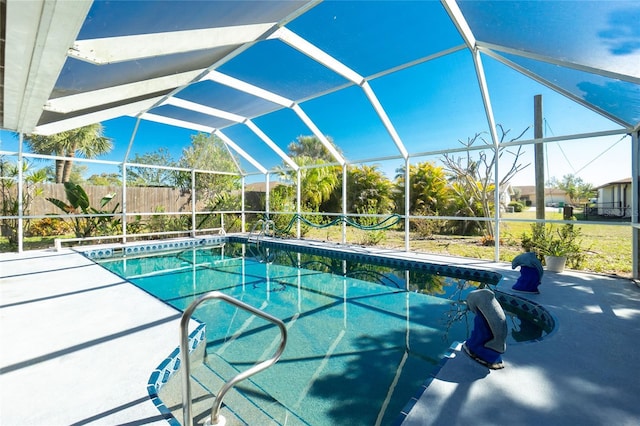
[
  {"x": 517, "y": 206},
  {"x": 551, "y": 241},
  {"x": 49, "y": 226}
]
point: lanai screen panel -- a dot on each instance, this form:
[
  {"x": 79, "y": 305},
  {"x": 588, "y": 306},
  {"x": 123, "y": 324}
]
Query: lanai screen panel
[
  {"x": 365, "y": 37},
  {"x": 215, "y": 95},
  {"x": 615, "y": 97},
  {"x": 598, "y": 34}
]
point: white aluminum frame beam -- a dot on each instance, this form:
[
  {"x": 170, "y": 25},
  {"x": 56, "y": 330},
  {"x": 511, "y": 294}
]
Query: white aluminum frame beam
[
  {"x": 240, "y": 151},
  {"x": 271, "y": 144},
  {"x": 243, "y": 86},
  {"x": 300, "y": 44},
  {"x": 94, "y": 98},
  {"x": 37, "y": 36},
  {"x": 133, "y": 108},
  {"x": 175, "y": 122},
  {"x": 559, "y": 62},
  {"x": 323, "y": 139},
  {"x": 215, "y": 112},
  {"x": 201, "y": 128},
  {"x": 458, "y": 19},
  {"x": 127, "y": 48},
  {"x": 303, "y": 46},
  {"x": 181, "y": 103},
  {"x": 461, "y": 24},
  {"x": 259, "y": 92}
]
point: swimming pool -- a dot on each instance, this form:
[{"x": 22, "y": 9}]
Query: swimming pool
[{"x": 364, "y": 333}]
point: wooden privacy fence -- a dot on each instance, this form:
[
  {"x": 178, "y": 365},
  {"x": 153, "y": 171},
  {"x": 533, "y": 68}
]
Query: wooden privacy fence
[{"x": 139, "y": 199}]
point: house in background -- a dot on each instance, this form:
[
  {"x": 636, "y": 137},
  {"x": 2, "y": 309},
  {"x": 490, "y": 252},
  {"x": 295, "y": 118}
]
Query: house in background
[
  {"x": 614, "y": 198},
  {"x": 553, "y": 197}
]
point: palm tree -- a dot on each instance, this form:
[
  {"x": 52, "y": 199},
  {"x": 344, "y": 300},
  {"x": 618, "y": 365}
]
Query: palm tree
[
  {"x": 369, "y": 190},
  {"x": 310, "y": 146},
  {"x": 429, "y": 190},
  {"x": 317, "y": 183},
  {"x": 87, "y": 141}
]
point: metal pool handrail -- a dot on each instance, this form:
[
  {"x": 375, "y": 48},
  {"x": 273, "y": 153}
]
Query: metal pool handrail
[{"x": 184, "y": 355}]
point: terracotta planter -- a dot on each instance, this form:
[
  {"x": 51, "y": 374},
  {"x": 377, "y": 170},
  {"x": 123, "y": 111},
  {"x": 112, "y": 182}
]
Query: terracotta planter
[{"x": 555, "y": 263}]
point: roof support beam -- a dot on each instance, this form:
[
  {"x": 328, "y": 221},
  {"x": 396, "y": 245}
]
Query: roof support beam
[
  {"x": 488, "y": 47},
  {"x": 377, "y": 106},
  {"x": 323, "y": 139},
  {"x": 280, "y": 100},
  {"x": 94, "y": 117},
  {"x": 460, "y": 22},
  {"x": 127, "y": 48},
  {"x": 255, "y": 129},
  {"x": 119, "y": 93},
  {"x": 175, "y": 122},
  {"x": 484, "y": 90},
  {"x": 38, "y": 34},
  {"x": 192, "y": 106},
  {"x": 194, "y": 126},
  {"x": 292, "y": 39},
  {"x": 243, "y": 86},
  {"x": 240, "y": 151},
  {"x": 303, "y": 46}
]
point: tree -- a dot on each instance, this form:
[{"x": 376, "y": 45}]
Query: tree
[
  {"x": 310, "y": 146},
  {"x": 369, "y": 190},
  {"x": 473, "y": 179},
  {"x": 87, "y": 142},
  {"x": 208, "y": 153},
  {"x": 10, "y": 201},
  {"x": 318, "y": 183},
  {"x": 574, "y": 186},
  {"x": 428, "y": 189},
  {"x": 152, "y": 176},
  {"x": 79, "y": 207},
  {"x": 105, "y": 179},
  {"x": 76, "y": 175}
]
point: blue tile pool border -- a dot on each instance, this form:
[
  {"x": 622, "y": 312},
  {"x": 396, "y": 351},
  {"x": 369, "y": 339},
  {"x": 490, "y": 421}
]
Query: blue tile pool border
[
  {"x": 455, "y": 271},
  {"x": 156, "y": 246},
  {"x": 167, "y": 368}
]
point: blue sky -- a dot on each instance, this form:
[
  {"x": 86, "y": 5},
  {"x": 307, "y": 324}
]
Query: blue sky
[{"x": 432, "y": 105}]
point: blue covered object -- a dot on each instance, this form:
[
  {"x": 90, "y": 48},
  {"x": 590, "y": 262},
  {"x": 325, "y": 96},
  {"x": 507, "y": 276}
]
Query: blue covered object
[
  {"x": 488, "y": 339},
  {"x": 530, "y": 272}
]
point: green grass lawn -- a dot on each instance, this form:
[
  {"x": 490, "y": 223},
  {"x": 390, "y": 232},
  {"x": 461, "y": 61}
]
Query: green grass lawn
[{"x": 607, "y": 248}]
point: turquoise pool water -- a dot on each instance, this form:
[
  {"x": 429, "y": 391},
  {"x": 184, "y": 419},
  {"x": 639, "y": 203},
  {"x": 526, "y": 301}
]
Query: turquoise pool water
[{"x": 360, "y": 345}]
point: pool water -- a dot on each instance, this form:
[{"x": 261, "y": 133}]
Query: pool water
[{"x": 359, "y": 346}]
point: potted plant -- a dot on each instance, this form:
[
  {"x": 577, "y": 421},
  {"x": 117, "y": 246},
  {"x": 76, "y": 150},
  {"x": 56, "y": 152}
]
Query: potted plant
[{"x": 555, "y": 246}]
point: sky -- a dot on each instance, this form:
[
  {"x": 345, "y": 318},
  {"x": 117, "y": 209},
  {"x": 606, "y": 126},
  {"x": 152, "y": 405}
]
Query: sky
[{"x": 433, "y": 105}]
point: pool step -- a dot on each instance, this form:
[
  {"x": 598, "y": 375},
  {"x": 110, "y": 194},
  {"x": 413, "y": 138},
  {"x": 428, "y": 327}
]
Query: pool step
[
  {"x": 237, "y": 409},
  {"x": 269, "y": 412}
]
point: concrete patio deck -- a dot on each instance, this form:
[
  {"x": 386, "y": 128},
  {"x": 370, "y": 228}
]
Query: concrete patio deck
[
  {"x": 587, "y": 372},
  {"x": 79, "y": 344}
]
